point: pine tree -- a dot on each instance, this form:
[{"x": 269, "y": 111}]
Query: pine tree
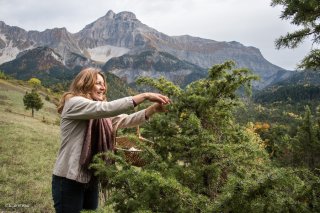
[
  {"x": 304, "y": 13},
  {"x": 318, "y": 123},
  {"x": 308, "y": 143}
]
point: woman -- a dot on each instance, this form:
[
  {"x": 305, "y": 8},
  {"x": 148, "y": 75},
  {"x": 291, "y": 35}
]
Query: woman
[{"x": 73, "y": 187}]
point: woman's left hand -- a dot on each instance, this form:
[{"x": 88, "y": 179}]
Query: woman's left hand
[
  {"x": 155, "y": 108},
  {"x": 159, "y": 107}
]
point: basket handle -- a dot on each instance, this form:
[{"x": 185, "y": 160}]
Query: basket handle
[
  {"x": 138, "y": 132},
  {"x": 137, "y": 127}
]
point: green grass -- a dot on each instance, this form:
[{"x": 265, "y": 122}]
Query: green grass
[{"x": 28, "y": 149}]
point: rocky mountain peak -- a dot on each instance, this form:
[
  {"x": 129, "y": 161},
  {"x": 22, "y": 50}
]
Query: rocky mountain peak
[
  {"x": 119, "y": 30},
  {"x": 109, "y": 20},
  {"x": 12, "y": 31},
  {"x": 122, "y": 16},
  {"x": 126, "y": 16},
  {"x": 57, "y": 38},
  {"x": 56, "y": 33},
  {"x": 110, "y": 14}
]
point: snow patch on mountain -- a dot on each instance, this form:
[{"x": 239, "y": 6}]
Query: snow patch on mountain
[
  {"x": 57, "y": 57},
  {"x": 105, "y": 53},
  {"x": 3, "y": 38},
  {"x": 10, "y": 51},
  {"x": 8, "y": 54}
]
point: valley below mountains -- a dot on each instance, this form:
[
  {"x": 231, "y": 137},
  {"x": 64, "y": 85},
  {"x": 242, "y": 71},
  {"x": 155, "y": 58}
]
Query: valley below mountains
[{"x": 125, "y": 47}]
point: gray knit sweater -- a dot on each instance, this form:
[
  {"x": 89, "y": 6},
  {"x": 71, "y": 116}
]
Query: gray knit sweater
[{"x": 74, "y": 117}]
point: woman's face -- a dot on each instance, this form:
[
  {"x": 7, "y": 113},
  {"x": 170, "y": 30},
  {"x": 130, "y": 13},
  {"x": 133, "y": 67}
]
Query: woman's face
[{"x": 99, "y": 89}]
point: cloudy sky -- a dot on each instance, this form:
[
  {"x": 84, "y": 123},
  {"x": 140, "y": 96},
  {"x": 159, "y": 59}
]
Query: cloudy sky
[{"x": 250, "y": 22}]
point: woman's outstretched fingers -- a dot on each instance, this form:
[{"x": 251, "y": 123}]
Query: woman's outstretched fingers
[
  {"x": 150, "y": 96},
  {"x": 155, "y": 97},
  {"x": 166, "y": 100}
]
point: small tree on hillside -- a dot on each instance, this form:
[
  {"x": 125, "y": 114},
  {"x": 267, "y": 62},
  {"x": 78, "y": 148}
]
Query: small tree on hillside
[{"x": 32, "y": 101}]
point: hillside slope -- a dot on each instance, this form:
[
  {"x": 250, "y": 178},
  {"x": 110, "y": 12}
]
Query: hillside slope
[
  {"x": 299, "y": 87},
  {"x": 28, "y": 148}
]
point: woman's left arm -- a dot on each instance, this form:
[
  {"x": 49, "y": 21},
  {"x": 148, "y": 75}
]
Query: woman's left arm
[
  {"x": 137, "y": 118},
  {"x": 131, "y": 120}
]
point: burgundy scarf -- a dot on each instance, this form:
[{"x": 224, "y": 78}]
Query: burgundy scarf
[{"x": 98, "y": 138}]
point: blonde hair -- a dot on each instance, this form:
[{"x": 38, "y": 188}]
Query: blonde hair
[{"x": 81, "y": 85}]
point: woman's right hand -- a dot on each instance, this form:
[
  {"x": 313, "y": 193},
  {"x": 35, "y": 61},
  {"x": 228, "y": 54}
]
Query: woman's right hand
[
  {"x": 150, "y": 96},
  {"x": 156, "y": 97}
]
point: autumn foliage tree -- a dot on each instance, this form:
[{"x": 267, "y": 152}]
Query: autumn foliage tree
[
  {"x": 35, "y": 83},
  {"x": 202, "y": 160}
]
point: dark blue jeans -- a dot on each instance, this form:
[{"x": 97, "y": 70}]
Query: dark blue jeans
[{"x": 70, "y": 196}]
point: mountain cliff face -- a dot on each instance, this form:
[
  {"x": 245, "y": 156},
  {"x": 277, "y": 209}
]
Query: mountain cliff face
[
  {"x": 118, "y": 37},
  {"x": 154, "y": 64},
  {"x": 119, "y": 30}
]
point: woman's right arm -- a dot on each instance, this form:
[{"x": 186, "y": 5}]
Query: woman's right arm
[{"x": 82, "y": 108}]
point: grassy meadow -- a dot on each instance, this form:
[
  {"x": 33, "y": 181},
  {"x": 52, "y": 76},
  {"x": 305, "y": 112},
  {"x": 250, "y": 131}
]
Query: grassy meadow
[{"x": 28, "y": 149}]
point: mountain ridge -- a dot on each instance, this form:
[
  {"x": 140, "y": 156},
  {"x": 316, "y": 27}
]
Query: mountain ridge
[
  {"x": 300, "y": 86},
  {"x": 115, "y": 35}
]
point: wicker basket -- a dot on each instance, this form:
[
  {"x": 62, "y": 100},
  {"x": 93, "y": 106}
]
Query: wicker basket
[{"x": 129, "y": 147}]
